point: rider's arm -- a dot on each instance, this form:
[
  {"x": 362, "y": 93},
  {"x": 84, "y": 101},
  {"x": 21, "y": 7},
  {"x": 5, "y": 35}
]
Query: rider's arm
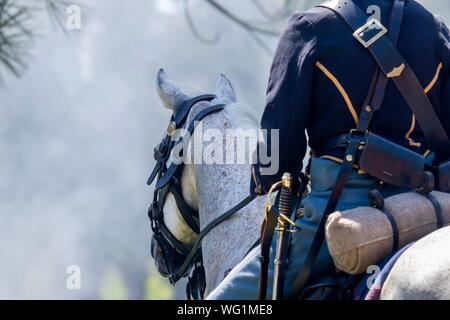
[{"x": 288, "y": 102}]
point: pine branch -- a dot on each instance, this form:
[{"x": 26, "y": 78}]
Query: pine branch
[
  {"x": 17, "y": 35},
  {"x": 56, "y": 10},
  {"x": 241, "y": 22},
  {"x": 195, "y": 31},
  {"x": 278, "y": 15},
  {"x": 256, "y": 30}
]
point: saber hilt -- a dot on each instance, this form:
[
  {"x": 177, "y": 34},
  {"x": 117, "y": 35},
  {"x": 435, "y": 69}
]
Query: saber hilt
[{"x": 283, "y": 229}]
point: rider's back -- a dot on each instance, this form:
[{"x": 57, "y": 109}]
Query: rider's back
[{"x": 321, "y": 75}]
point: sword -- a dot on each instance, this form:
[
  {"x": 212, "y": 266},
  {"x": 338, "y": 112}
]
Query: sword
[{"x": 283, "y": 230}]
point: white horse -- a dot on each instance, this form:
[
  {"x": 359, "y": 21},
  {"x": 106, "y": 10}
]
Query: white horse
[{"x": 423, "y": 272}]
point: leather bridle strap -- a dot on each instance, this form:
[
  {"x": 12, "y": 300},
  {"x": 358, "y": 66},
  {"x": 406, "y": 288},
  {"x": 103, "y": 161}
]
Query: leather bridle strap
[
  {"x": 177, "y": 120},
  {"x": 395, "y": 67},
  {"x": 197, "y": 245},
  {"x": 372, "y": 103},
  {"x": 162, "y": 181},
  {"x": 180, "y": 116}
]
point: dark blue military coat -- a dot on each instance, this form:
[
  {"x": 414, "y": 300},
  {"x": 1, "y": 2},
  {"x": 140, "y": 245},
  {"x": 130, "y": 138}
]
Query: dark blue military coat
[{"x": 321, "y": 74}]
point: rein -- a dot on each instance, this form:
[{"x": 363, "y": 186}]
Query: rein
[
  {"x": 169, "y": 181},
  {"x": 197, "y": 245}
]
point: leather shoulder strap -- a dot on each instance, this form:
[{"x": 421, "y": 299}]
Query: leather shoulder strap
[
  {"x": 372, "y": 35},
  {"x": 377, "y": 89},
  {"x": 373, "y": 101}
]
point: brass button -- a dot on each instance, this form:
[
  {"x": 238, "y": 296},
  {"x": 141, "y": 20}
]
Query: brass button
[
  {"x": 171, "y": 128},
  {"x": 349, "y": 158}
]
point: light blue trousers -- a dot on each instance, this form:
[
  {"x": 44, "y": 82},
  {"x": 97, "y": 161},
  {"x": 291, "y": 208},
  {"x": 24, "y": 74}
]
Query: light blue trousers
[{"x": 242, "y": 282}]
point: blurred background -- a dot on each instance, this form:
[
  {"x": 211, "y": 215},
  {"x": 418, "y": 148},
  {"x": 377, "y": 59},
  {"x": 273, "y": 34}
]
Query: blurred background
[{"x": 79, "y": 117}]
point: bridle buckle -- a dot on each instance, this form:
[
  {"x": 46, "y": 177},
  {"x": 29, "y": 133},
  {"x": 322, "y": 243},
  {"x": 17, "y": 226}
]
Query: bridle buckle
[{"x": 363, "y": 33}]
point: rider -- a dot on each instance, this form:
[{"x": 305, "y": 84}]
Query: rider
[{"x": 318, "y": 82}]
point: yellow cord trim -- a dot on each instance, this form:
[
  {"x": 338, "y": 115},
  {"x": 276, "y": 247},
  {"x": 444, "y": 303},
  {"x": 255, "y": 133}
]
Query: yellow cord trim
[
  {"x": 341, "y": 90},
  {"x": 435, "y": 79},
  {"x": 412, "y": 143},
  {"x": 332, "y": 158}
]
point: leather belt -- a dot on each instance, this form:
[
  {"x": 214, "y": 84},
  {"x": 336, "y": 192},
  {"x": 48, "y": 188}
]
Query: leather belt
[{"x": 332, "y": 144}]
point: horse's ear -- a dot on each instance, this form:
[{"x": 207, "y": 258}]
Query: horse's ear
[
  {"x": 224, "y": 89},
  {"x": 170, "y": 94}
]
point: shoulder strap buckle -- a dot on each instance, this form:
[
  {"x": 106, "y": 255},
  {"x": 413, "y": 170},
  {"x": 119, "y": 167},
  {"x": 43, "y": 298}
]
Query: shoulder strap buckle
[
  {"x": 369, "y": 33},
  {"x": 357, "y": 134}
]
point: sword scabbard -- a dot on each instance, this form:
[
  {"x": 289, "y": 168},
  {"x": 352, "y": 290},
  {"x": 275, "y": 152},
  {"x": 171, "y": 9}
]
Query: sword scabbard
[{"x": 282, "y": 229}]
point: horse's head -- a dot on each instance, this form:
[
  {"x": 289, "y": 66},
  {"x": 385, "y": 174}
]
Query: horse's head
[
  {"x": 178, "y": 198},
  {"x": 218, "y": 141},
  {"x": 174, "y": 99}
]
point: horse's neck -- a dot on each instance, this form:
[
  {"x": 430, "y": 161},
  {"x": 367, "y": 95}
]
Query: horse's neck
[{"x": 220, "y": 187}]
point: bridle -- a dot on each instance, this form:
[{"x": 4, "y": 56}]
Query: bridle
[{"x": 168, "y": 178}]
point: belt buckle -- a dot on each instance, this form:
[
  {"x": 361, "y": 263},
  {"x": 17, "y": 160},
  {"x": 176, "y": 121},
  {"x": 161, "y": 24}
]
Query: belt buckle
[
  {"x": 370, "y": 25},
  {"x": 359, "y": 135}
]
